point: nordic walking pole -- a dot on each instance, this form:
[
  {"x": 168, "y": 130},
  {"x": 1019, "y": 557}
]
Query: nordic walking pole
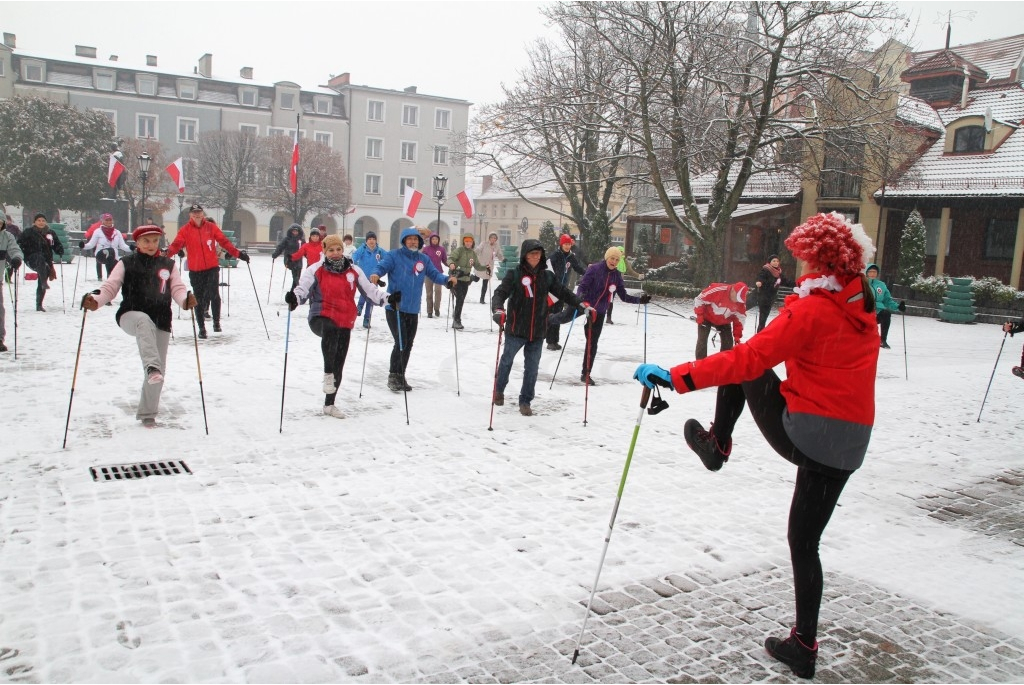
[
  {"x": 555, "y": 374},
  {"x": 906, "y": 368},
  {"x": 74, "y": 290},
  {"x": 670, "y": 311},
  {"x": 401, "y": 358},
  {"x": 15, "y": 279},
  {"x": 199, "y": 368},
  {"x": 455, "y": 339},
  {"x": 366, "y": 348},
  {"x": 646, "y": 395},
  {"x": 257, "y": 293},
  {"x": 991, "y": 377},
  {"x": 74, "y": 377},
  {"x": 63, "y": 301},
  {"x": 586, "y": 379},
  {"x": 451, "y": 296},
  {"x": 284, "y": 374},
  {"x": 271, "y": 283},
  {"x": 494, "y": 388},
  {"x": 645, "y": 334}
]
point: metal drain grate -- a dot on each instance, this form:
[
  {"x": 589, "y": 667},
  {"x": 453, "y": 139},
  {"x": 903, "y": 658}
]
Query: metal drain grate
[{"x": 136, "y": 471}]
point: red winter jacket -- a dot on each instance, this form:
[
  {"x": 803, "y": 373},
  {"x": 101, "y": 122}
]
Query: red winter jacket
[
  {"x": 830, "y": 347},
  {"x": 200, "y": 245},
  {"x": 715, "y": 306},
  {"x": 312, "y": 251},
  {"x": 332, "y": 295}
]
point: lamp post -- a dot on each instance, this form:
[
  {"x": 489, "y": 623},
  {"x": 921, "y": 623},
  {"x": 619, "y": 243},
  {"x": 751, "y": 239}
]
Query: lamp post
[
  {"x": 440, "y": 183},
  {"x": 144, "y": 161}
]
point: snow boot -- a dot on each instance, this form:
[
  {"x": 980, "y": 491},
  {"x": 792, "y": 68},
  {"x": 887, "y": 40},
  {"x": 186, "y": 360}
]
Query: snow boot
[
  {"x": 149, "y": 423},
  {"x": 525, "y": 410},
  {"x": 586, "y": 380},
  {"x": 457, "y": 325},
  {"x": 499, "y": 399},
  {"x": 202, "y": 333},
  {"x": 405, "y": 384},
  {"x": 1017, "y": 371},
  {"x": 794, "y": 653},
  {"x": 331, "y": 410},
  {"x": 704, "y": 443},
  {"x": 554, "y": 347},
  {"x": 395, "y": 382},
  {"x": 216, "y": 327},
  {"x": 329, "y": 386},
  {"x": 3, "y": 348},
  {"x": 885, "y": 346}
]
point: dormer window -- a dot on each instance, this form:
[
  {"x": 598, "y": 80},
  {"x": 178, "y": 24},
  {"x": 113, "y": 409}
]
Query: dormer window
[
  {"x": 146, "y": 85},
  {"x": 186, "y": 89},
  {"x": 32, "y": 71},
  {"x": 287, "y": 101},
  {"x": 104, "y": 80},
  {"x": 969, "y": 139},
  {"x": 248, "y": 96},
  {"x": 323, "y": 105}
]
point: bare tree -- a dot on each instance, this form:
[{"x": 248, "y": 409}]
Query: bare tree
[
  {"x": 159, "y": 186},
  {"x": 226, "y": 169},
  {"x": 323, "y": 185}
]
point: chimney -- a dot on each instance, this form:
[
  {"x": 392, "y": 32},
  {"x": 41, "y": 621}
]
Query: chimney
[
  {"x": 206, "y": 65},
  {"x": 10, "y": 40},
  {"x": 410, "y": 89},
  {"x": 339, "y": 80},
  {"x": 85, "y": 51},
  {"x": 488, "y": 180},
  {"x": 967, "y": 87},
  {"x": 113, "y": 58},
  {"x": 150, "y": 60},
  {"x": 245, "y": 72}
]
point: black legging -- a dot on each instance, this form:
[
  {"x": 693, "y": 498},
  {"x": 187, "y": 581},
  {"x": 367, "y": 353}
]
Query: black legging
[
  {"x": 296, "y": 269},
  {"x": 593, "y": 334},
  {"x": 206, "y": 287},
  {"x": 815, "y": 493},
  {"x": 460, "y": 290},
  {"x": 884, "y": 317},
  {"x": 400, "y": 359},
  {"x": 105, "y": 258},
  {"x": 334, "y": 346},
  {"x": 763, "y": 310}
]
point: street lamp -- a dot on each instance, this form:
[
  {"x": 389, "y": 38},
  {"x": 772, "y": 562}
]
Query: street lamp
[
  {"x": 440, "y": 183},
  {"x": 144, "y": 161}
]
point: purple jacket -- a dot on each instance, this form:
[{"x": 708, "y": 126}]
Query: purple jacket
[
  {"x": 600, "y": 284},
  {"x": 436, "y": 253}
]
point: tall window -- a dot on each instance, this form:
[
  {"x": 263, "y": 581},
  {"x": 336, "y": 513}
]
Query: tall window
[
  {"x": 443, "y": 119},
  {"x": 410, "y": 115},
  {"x": 441, "y": 155},
  {"x": 374, "y": 148},
  {"x": 146, "y": 125},
  {"x": 323, "y": 105},
  {"x": 931, "y": 236},
  {"x": 840, "y": 174},
  {"x": 969, "y": 139},
  {"x": 323, "y": 137},
  {"x": 187, "y": 130},
  {"x": 249, "y": 175},
  {"x": 375, "y": 110},
  {"x": 403, "y": 182},
  {"x": 408, "y": 151},
  {"x": 287, "y": 101},
  {"x": 372, "y": 184},
  {"x": 999, "y": 238}
]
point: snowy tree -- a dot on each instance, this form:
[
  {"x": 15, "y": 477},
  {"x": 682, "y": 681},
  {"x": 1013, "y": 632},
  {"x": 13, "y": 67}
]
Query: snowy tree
[
  {"x": 597, "y": 240},
  {"x": 52, "y": 155},
  {"x": 227, "y": 169},
  {"x": 912, "y": 244},
  {"x": 323, "y": 186},
  {"x": 548, "y": 238}
]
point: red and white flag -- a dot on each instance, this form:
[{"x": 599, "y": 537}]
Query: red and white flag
[
  {"x": 176, "y": 170},
  {"x": 412, "y": 201},
  {"x": 293, "y": 177},
  {"x": 114, "y": 171},
  {"x": 351, "y": 210},
  {"x": 466, "y": 200}
]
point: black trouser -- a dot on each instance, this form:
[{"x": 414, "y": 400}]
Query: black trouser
[
  {"x": 815, "y": 494},
  {"x": 763, "y": 309},
  {"x": 483, "y": 288},
  {"x": 39, "y": 264},
  {"x": 400, "y": 354},
  {"x": 105, "y": 258},
  {"x": 704, "y": 332},
  {"x": 334, "y": 346},
  {"x": 460, "y": 289},
  {"x": 608, "y": 314},
  {"x": 206, "y": 287},
  {"x": 553, "y": 310},
  {"x": 884, "y": 317},
  {"x": 296, "y": 269},
  {"x": 593, "y": 332}
]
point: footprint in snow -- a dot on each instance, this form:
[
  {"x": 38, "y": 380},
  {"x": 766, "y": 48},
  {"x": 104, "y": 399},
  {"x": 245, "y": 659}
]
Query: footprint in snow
[{"x": 125, "y": 637}]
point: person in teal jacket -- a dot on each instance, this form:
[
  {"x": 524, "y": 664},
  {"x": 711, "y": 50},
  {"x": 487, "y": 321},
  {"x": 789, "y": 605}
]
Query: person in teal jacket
[
  {"x": 407, "y": 268},
  {"x": 884, "y": 304}
]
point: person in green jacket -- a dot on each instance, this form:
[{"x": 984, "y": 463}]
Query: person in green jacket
[
  {"x": 461, "y": 263},
  {"x": 626, "y": 270},
  {"x": 884, "y": 304}
]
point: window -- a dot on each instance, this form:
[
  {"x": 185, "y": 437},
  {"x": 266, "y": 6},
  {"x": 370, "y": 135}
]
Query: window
[
  {"x": 323, "y": 137},
  {"x": 104, "y": 80},
  {"x": 403, "y": 182},
  {"x": 146, "y": 126},
  {"x": 969, "y": 139},
  {"x": 275, "y": 177},
  {"x": 443, "y": 119},
  {"x": 290, "y": 132},
  {"x": 189, "y": 167},
  {"x": 146, "y": 85},
  {"x": 515, "y": 211},
  {"x": 250, "y": 129},
  {"x": 375, "y": 110},
  {"x": 999, "y": 238},
  {"x": 187, "y": 130},
  {"x": 32, "y": 71},
  {"x": 2, "y": 72},
  {"x": 323, "y": 105},
  {"x": 408, "y": 151},
  {"x": 840, "y": 173},
  {"x": 441, "y": 155},
  {"x": 503, "y": 210},
  {"x": 287, "y": 100},
  {"x": 410, "y": 115},
  {"x": 249, "y": 175},
  {"x": 374, "y": 148},
  {"x": 187, "y": 90},
  {"x": 931, "y": 236},
  {"x": 248, "y": 96},
  {"x": 110, "y": 114},
  {"x": 372, "y": 184}
]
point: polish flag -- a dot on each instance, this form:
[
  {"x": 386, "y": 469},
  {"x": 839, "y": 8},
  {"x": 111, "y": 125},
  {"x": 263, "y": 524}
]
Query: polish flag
[
  {"x": 176, "y": 170},
  {"x": 293, "y": 177},
  {"x": 466, "y": 200},
  {"x": 114, "y": 171},
  {"x": 412, "y": 201},
  {"x": 352, "y": 210}
]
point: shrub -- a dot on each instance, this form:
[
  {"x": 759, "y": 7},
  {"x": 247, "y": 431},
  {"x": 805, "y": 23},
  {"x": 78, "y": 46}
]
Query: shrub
[
  {"x": 933, "y": 286},
  {"x": 992, "y": 291}
]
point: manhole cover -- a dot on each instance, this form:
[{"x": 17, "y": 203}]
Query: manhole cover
[{"x": 142, "y": 470}]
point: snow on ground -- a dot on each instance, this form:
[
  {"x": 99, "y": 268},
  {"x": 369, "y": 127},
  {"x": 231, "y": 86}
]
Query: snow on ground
[{"x": 365, "y": 548}]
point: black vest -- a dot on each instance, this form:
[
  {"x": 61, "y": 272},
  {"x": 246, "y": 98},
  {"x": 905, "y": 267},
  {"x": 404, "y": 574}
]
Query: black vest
[{"x": 147, "y": 288}]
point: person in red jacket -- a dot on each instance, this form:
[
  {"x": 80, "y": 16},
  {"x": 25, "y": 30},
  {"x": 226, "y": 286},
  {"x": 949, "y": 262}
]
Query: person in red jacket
[
  {"x": 312, "y": 250},
  {"x": 819, "y": 418},
  {"x": 722, "y": 306},
  {"x": 200, "y": 237}
]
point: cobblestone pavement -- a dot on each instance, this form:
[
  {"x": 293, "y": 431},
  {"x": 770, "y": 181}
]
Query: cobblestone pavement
[{"x": 991, "y": 507}]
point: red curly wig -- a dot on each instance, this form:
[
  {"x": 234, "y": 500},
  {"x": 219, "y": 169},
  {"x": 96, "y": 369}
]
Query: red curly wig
[{"x": 830, "y": 244}]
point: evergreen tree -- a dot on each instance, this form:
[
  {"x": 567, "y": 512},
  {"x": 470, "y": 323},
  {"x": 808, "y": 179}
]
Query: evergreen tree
[
  {"x": 642, "y": 240},
  {"x": 911, "y": 249},
  {"x": 548, "y": 238},
  {"x": 596, "y": 238}
]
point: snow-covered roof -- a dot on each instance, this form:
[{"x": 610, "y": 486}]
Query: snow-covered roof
[
  {"x": 917, "y": 112},
  {"x": 741, "y": 210},
  {"x": 773, "y": 183},
  {"x": 546, "y": 190},
  {"x": 999, "y": 172},
  {"x": 997, "y": 57}
]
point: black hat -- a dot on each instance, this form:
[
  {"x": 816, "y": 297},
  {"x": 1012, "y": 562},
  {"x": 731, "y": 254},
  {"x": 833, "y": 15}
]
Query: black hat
[
  {"x": 371, "y": 234},
  {"x": 38, "y": 216},
  {"x": 196, "y": 207},
  {"x": 772, "y": 256}
]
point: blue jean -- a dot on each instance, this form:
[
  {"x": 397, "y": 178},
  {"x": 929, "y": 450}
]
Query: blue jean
[
  {"x": 364, "y": 302},
  {"x": 532, "y": 351}
]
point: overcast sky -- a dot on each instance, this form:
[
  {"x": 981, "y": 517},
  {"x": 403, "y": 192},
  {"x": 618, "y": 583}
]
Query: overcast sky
[{"x": 456, "y": 49}]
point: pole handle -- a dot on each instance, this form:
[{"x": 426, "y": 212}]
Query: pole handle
[{"x": 645, "y": 396}]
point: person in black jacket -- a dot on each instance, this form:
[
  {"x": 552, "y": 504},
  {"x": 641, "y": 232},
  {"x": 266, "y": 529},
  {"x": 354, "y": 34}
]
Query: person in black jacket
[
  {"x": 1011, "y": 328},
  {"x": 560, "y": 263},
  {"x": 289, "y": 245},
  {"x": 39, "y": 243},
  {"x": 526, "y": 289},
  {"x": 768, "y": 282}
]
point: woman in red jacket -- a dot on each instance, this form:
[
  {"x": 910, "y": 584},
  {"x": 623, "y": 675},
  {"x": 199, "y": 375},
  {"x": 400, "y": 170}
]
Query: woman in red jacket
[{"x": 819, "y": 418}]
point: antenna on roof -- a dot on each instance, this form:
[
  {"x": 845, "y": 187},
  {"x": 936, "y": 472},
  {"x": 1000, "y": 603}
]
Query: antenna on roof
[{"x": 946, "y": 19}]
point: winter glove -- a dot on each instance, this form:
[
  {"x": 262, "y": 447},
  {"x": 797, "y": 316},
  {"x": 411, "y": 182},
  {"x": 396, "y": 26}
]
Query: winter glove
[
  {"x": 645, "y": 298},
  {"x": 651, "y": 375},
  {"x": 586, "y": 310},
  {"x": 190, "y": 302},
  {"x": 292, "y": 301},
  {"x": 14, "y": 263},
  {"x": 394, "y": 298},
  {"x": 88, "y": 302},
  {"x": 81, "y": 244},
  {"x": 499, "y": 317},
  {"x": 244, "y": 256},
  {"x": 488, "y": 272},
  {"x": 381, "y": 284},
  {"x": 902, "y": 306}
]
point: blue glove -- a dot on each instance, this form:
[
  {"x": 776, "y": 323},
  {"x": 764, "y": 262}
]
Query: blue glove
[{"x": 651, "y": 375}]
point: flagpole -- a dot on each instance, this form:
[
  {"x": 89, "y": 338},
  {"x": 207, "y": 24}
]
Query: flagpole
[{"x": 295, "y": 204}]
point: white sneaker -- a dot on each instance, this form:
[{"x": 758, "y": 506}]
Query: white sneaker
[
  {"x": 331, "y": 410},
  {"x": 329, "y": 383}
]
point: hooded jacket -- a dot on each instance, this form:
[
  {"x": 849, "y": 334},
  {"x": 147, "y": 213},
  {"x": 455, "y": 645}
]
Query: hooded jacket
[
  {"x": 526, "y": 291},
  {"x": 437, "y": 254},
  {"x": 289, "y": 244},
  {"x": 829, "y": 345},
  {"x": 600, "y": 284},
  {"x": 39, "y": 247},
  {"x": 200, "y": 243},
  {"x": 9, "y": 248},
  {"x": 561, "y": 261},
  {"x": 367, "y": 259},
  {"x": 715, "y": 307},
  {"x": 883, "y": 299},
  {"x": 407, "y": 269},
  {"x": 465, "y": 259}
]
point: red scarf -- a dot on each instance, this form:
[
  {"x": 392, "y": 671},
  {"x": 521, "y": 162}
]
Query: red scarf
[
  {"x": 773, "y": 270},
  {"x": 108, "y": 232}
]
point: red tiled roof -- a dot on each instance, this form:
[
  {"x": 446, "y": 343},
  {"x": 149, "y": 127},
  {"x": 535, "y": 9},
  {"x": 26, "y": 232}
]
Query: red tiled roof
[
  {"x": 998, "y": 57},
  {"x": 944, "y": 61}
]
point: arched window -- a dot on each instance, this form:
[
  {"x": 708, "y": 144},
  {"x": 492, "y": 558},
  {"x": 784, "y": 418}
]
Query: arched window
[{"x": 969, "y": 139}]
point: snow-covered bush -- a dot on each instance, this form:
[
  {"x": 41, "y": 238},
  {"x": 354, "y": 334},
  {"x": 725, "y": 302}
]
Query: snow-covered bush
[{"x": 989, "y": 290}]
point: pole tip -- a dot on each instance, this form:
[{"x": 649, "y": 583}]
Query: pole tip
[
  {"x": 489, "y": 428},
  {"x": 575, "y": 654}
]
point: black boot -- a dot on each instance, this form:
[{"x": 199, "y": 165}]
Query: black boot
[
  {"x": 395, "y": 382},
  {"x": 457, "y": 325},
  {"x": 405, "y": 385},
  {"x": 794, "y": 653},
  {"x": 706, "y": 445}
]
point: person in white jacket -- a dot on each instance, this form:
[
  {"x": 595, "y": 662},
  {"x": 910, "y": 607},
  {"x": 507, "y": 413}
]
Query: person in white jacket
[{"x": 106, "y": 243}]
